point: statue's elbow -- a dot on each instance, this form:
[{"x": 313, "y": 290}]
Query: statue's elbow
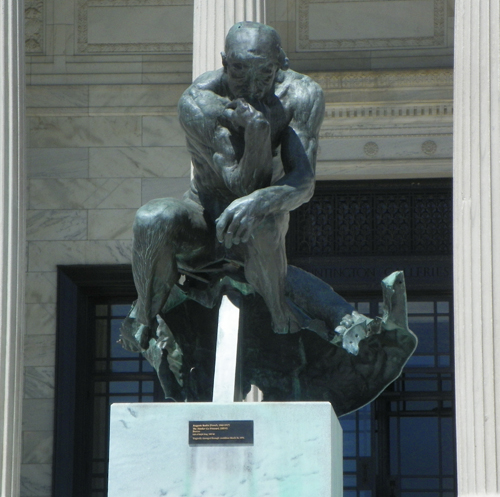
[{"x": 309, "y": 185}]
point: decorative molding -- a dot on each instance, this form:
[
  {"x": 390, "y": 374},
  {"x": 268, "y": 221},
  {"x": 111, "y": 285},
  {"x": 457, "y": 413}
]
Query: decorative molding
[
  {"x": 383, "y": 79},
  {"x": 83, "y": 45},
  {"x": 370, "y": 149},
  {"x": 396, "y": 134},
  {"x": 389, "y": 110},
  {"x": 33, "y": 26},
  {"x": 405, "y": 84},
  {"x": 304, "y": 44},
  {"x": 429, "y": 147}
]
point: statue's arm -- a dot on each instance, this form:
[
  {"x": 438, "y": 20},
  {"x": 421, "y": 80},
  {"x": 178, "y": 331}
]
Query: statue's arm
[
  {"x": 299, "y": 145},
  {"x": 218, "y": 129},
  {"x": 248, "y": 130},
  {"x": 199, "y": 111}
]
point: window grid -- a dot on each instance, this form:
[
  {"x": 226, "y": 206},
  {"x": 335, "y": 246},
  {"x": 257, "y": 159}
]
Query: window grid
[{"x": 118, "y": 376}]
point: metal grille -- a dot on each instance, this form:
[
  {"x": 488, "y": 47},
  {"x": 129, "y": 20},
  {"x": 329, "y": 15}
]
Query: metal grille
[{"x": 364, "y": 220}]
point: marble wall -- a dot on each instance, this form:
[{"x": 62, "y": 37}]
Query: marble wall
[
  {"x": 103, "y": 137},
  {"x": 361, "y": 35}
]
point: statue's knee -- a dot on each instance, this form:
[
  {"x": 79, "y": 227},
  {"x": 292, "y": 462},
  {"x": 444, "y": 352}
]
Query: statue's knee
[{"x": 159, "y": 213}]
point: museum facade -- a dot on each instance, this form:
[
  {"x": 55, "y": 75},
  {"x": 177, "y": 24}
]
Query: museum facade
[{"x": 408, "y": 177}]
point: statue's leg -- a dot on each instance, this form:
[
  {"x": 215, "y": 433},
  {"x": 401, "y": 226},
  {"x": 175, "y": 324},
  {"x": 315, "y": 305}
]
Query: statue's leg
[
  {"x": 266, "y": 267},
  {"x": 165, "y": 230}
]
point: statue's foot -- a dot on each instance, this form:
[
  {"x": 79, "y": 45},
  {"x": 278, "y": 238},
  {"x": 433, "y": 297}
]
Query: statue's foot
[{"x": 353, "y": 328}]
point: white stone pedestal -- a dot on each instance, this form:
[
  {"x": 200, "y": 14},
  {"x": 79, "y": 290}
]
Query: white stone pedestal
[{"x": 296, "y": 451}]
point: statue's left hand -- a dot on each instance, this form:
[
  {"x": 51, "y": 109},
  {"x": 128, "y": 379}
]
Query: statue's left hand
[{"x": 240, "y": 219}]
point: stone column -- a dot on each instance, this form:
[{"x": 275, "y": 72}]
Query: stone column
[
  {"x": 212, "y": 20},
  {"x": 477, "y": 245},
  {"x": 12, "y": 245}
]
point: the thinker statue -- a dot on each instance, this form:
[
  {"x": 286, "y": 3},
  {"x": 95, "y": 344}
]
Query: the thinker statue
[{"x": 252, "y": 130}]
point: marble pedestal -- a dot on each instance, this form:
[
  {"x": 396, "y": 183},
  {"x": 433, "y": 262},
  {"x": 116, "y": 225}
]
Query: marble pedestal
[{"x": 296, "y": 451}]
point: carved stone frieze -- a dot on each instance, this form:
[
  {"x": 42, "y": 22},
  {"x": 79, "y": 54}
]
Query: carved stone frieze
[
  {"x": 389, "y": 110},
  {"x": 85, "y": 46},
  {"x": 305, "y": 43},
  {"x": 33, "y": 26},
  {"x": 403, "y": 94}
]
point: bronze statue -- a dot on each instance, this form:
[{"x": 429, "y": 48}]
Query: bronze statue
[{"x": 252, "y": 130}]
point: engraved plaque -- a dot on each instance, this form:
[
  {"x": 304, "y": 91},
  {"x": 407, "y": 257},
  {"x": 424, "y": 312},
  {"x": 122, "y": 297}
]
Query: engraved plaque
[{"x": 221, "y": 433}]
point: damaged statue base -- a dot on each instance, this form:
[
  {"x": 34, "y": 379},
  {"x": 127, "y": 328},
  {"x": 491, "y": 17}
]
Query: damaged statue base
[{"x": 339, "y": 355}]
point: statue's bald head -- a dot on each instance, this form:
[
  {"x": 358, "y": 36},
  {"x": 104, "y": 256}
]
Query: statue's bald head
[{"x": 253, "y": 39}]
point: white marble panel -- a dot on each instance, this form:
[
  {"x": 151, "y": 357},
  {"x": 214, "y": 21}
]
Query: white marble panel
[
  {"x": 162, "y": 131},
  {"x": 64, "y": 39},
  {"x": 36, "y": 480},
  {"x": 109, "y": 131},
  {"x": 104, "y": 68},
  {"x": 167, "y": 78},
  {"x": 56, "y": 225},
  {"x": 140, "y": 24},
  {"x": 46, "y": 255},
  {"x": 58, "y": 162},
  {"x": 86, "y": 79},
  {"x": 164, "y": 187},
  {"x": 64, "y": 12},
  {"x": 37, "y": 447},
  {"x": 139, "y": 162},
  {"x": 38, "y": 414},
  {"x": 384, "y": 169},
  {"x": 371, "y": 20},
  {"x": 40, "y": 350},
  {"x": 158, "y": 64},
  {"x": 135, "y": 95},
  {"x": 124, "y": 58},
  {"x": 41, "y": 288},
  {"x": 111, "y": 224},
  {"x": 416, "y": 62},
  {"x": 40, "y": 318},
  {"x": 109, "y": 252},
  {"x": 281, "y": 10},
  {"x": 85, "y": 193},
  {"x": 297, "y": 451},
  {"x": 39, "y": 382},
  {"x": 57, "y": 96}
]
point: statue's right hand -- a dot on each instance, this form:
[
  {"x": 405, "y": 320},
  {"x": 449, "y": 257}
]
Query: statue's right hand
[{"x": 242, "y": 114}]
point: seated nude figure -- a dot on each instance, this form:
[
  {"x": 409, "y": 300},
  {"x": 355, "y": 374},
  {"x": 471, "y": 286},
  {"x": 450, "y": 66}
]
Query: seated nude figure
[{"x": 237, "y": 120}]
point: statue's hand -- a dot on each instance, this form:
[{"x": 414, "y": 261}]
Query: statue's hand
[
  {"x": 239, "y": 220},
  {"x": 244, "y": 115}
]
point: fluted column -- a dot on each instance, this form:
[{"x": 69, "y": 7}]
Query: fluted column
[
  {"x": 212, "y": 20},
  {"x": 477, "y": 246},
  {"x": 12, "y": 246}
]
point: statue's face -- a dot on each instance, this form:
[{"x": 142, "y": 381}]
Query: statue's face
[
  {"x": 251, "y": 62},
  {"x": 250, "y": 77}
]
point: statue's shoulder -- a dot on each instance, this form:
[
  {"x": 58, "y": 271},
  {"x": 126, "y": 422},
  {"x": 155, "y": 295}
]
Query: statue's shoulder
[
  {"x": 302, "y": 95},
  {"x": 298, "y": 88},
  {"x": 207, "y": 84},
  {"x": 204, "y": 97}
]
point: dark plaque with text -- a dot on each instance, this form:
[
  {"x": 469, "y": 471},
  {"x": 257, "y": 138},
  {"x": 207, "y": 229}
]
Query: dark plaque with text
[{"x": 221, "y": 433}]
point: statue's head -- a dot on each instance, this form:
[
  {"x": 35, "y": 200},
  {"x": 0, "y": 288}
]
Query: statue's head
[{"x": 252, "y": 57}]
